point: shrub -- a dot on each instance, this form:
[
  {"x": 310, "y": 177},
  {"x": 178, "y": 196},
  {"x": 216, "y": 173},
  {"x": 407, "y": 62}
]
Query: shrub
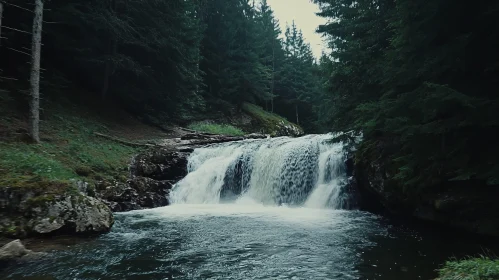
[{"x": 483, "y": 268}]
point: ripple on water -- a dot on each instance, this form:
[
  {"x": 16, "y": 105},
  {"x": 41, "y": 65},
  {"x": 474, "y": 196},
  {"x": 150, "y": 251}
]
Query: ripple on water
[{"x": 242, "y": 242}]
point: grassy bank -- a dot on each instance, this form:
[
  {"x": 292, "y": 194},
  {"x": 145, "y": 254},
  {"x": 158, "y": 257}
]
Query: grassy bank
[
  {"x": 270, "y": 123},
  {"x": 483, "y": 268},
  {"x": 223, "y": 129},
  {"x": 70, "y": 149}
]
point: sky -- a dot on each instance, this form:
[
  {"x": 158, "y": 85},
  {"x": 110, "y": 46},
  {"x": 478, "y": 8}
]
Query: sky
[{"x": 303, "y": 13}]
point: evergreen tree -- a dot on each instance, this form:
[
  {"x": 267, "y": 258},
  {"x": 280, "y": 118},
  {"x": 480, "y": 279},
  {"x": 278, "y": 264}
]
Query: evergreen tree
[{"x": 417, "y": 78}]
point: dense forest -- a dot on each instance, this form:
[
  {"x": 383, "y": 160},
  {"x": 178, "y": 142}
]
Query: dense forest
[
  {"x": 174, "y": 61},
  {"x": 420, "y": 80}
]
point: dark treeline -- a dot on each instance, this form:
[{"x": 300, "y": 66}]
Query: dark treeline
[
  {"x": 176, "y": 60},
  {"x": 421, "y": 80}
]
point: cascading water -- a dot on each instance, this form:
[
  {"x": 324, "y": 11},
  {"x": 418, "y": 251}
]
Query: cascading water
[{"x": 309, "y": 171}]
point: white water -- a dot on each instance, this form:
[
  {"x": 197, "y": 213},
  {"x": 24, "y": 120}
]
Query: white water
[{"x": 308, "y": 171}]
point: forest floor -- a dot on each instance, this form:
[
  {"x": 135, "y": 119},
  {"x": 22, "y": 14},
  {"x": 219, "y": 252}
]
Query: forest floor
[
  {"x": 71, "y": 147},
  {"x": 89, "y": 140}
]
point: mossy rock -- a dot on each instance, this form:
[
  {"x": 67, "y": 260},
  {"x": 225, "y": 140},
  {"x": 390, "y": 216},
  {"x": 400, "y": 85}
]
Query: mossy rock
[
  {"x": 83, "y": 171},
  {"x": 269, "y": 123}
]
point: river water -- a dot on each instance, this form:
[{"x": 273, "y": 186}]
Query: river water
[{"x": 271, "y": 209}]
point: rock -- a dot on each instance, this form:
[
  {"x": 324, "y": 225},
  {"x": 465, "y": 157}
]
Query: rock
[
  {"x": 137, "y": 193},
  {"x": 13, "y": 250},
  {"x": 160, "y": 164},
  {"x": 32, "y": 212},
  {"x": 71, "y": 214},
  {"x": 467, "y": 205}
]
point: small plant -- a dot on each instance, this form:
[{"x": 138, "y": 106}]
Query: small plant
[
  {"x": 223, "y": 129},
  {"x": 482, "y": 268}
]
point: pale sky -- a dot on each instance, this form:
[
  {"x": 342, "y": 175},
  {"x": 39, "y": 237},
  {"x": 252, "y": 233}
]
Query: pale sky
[{"x": 303, "y": 13}]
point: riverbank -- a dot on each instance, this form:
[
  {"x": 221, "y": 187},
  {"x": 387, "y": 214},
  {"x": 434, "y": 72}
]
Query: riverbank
[{"x": 84, "y": 159}]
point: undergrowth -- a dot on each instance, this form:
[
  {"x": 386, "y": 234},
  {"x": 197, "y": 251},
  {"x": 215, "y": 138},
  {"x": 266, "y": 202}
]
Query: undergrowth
[
  {"x": 268, "y": 121},
  {"x": 483, "y": 268},
  {"x": 223, "y": 129},
  {"x": 69, "y": 150}
]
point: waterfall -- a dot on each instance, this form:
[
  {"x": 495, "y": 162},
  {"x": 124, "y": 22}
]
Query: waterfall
[{"x": 309, "y": 171}]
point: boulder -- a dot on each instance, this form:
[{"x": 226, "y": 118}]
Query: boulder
[
  {"x": 77, "y": 214},
  {"x": 13, "y": 250},
  {"x": 34, "y": 212}
]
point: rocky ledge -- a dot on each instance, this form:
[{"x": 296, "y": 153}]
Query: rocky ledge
[
  {"x": 152, "y": 175},
  {"x": 154, "y": 172},
  {"x": 468, "y": 205}
]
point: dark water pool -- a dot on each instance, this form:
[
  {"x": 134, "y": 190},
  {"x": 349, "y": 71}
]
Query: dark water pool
[{"x": 251, "y": 242}]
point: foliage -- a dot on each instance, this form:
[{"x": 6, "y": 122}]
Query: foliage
[
  {"x": 269, "y": 123},
  {"x": 470, "y": 269},
  {"x": 420, "y": 77},
  {"x": 171, "y": 61},
  {"x": 223, "y": 129}
]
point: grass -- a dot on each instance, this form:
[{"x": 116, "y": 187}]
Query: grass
[
  {"x": 260, "y": 113},
  {"x": 483, "y": 268},
  {"x": 223, "y": 129},
  {"x": 268, "y": 121},
  {"x": 69, "y": 150}
]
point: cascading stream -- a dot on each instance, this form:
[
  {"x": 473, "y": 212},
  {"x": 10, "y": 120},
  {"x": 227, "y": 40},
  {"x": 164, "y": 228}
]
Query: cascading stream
[{"x": 308, "y": 171}]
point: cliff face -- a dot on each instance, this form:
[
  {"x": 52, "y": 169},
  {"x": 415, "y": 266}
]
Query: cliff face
[{"x": 469, "y": 205}]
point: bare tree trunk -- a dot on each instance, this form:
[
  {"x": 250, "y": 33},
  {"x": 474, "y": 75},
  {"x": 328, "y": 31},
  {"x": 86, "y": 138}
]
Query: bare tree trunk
[
  {"x": 273, "y": 78},
  {"x": 297, "y": 119},
  {"x": 34, "y": 124},
  {"x": 1, "y": 14}
]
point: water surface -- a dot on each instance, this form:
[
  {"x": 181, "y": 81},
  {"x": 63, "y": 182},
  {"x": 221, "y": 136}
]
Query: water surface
[{"x": 249, "y": 241}]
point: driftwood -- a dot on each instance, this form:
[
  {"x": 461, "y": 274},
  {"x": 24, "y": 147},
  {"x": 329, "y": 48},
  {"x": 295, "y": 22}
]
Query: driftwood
[
  {"x": 200, "y": 139},
  {"x": 196, "y": 132},
  {"x": 124, "y": 142}
]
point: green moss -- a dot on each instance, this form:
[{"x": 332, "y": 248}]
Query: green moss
[
  {"x": 471, "y": 269},
  {"x": 269, "y": 122},
  {"x": 223, "y": 129},
  {"x": 11, "y": 230},
  {"x": 40, "y": 201},
  {"x": 71, "y": 152}
]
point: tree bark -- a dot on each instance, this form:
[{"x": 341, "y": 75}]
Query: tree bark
[
  {"x": 273, "y": 76},
  {"x": 1, "y": 14},
  {"x": 36, "y": 45},
  {"x": 297, "y": 119}
]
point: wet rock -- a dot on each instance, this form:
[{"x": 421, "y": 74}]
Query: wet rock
[
  {"x": 32, "y": 213},
  {"x": 137, "y": 193},
  {"x": 13, "y": 251},
  {"x": 72, "y": 214},
  {"x": 160, "y": 164}
]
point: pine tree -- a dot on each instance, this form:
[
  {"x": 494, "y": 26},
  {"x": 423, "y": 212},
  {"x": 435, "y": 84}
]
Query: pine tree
[{"x": 416, "y": 78}]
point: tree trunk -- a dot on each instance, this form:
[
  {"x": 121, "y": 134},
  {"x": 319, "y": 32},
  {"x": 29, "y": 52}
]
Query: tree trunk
[
  {"x": 34, "y": 124},
  {"x": 297, "y": 119},
  {"x": 112, "y": 51},
  {"x": 273, "y": 77},
  {"x": 1, "y": 14}
]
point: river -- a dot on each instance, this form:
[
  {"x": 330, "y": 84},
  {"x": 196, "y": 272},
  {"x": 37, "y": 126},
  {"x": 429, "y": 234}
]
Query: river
[{"x": 271, "y": 209}]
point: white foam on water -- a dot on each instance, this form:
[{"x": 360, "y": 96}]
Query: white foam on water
[{"x": 308, "y": 171}]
